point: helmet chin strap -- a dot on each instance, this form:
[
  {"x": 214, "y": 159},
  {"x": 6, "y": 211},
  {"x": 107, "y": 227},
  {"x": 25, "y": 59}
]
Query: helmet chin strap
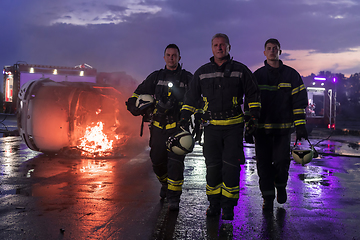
[
  {"x": 307, "y": 140},
  {"x": 301, "y": 154}
]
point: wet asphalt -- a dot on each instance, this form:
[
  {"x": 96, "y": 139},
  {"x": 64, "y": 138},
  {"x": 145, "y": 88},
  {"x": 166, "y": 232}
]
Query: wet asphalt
[{"x": 59, "y": 197}]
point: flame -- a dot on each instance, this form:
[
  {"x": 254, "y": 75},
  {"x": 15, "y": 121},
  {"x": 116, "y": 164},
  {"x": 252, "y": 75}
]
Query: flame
[{"x": 95, "y": 141}]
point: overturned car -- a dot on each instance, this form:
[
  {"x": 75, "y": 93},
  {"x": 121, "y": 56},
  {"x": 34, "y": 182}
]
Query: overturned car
[{"x": 80, "y": 118}]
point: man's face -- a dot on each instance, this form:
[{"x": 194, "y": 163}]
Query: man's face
[
  {"x": 171, "y": 58},
  {"x": 272, "y": 52},
  {"x": 220, "y": 48}
]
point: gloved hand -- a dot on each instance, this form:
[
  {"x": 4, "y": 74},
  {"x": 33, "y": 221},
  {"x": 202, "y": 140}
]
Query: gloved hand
[
  {"x": 249, "y": 138},
  {"x": 131, "y": 106},
  {"x": 184, "y": 123},
  {"x": 301, "y": 132},
  {"x": 251, "y": 126},
  {"x": 163, "y": 107}
]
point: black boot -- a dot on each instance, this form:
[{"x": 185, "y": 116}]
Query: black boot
[
  {"x": 213, "y": 210},
  {"x": 173, "y": 205},
  {"x": 281, "y": 196},
  {"x": 163, "y": 190},
  {"x": 228, "y": 213},
  {"x": 268, "y": 204}
]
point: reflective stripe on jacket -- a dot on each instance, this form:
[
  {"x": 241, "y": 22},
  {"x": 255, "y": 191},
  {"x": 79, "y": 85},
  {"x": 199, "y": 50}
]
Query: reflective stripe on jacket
[
  {"x": 157, "y": 85},
  {"x": 283, "y": 98},
  {"x": 221, "y": 89}
]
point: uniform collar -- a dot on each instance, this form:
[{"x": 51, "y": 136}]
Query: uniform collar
[
  {"x": 224, "y": 64},
  {"x": 270, "y": 68},
  {"x": 178, "y": 69}
]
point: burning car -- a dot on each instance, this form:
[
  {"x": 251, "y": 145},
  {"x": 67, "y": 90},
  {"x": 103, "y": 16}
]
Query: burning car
[{"x": 78, "y": 117}]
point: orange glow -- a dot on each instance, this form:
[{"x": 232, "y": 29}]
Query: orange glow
[
  {"x": 95, "y": 167},
  {"x": 85, "y": 120},
  {"x": 95, "y": 142}
]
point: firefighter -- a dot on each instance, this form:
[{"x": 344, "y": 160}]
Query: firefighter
[
  {"x": 283, "y": 103},
  {"x": 168, "y": 87},
  {"x": 220, "y": 85}
]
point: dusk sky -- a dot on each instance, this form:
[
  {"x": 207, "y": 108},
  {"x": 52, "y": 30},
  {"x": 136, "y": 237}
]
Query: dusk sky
[{"x": 130, "y": 35}]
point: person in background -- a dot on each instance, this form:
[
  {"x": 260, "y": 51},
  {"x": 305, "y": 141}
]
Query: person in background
[
  {"x": 220, "y": 86},
  {"x": 283, "y": 103},
  {"x": 168, "y": 87}
]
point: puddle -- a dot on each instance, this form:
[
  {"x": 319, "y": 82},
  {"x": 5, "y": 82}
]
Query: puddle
[
  {"x": 339, "y": 148},
  {"x": 316, "y": 176},
  {"x": 15, "y": 191}
]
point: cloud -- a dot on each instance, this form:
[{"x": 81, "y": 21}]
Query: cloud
[
  {"x": 130, "y": 35},
  {"x": 114, "y": 12},
  {"x": 348, "y": 3},
  {"x": 305, "y": 61}
]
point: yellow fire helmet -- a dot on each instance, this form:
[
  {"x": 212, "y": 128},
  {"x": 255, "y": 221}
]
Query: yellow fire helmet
[
  {"x": 181, "y": 142},
  {"x": 144, "y": 101},
  {"x": 303, "y": 156}
]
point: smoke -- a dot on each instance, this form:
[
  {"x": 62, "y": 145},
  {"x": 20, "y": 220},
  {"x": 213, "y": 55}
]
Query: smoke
[{"x": 131, "y": 125}]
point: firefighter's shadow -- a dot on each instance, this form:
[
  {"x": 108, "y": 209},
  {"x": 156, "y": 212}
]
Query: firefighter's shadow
[
  {"x": 273, "y": 225},
  {"x": 165, "y": 230},
  {"x": 218, "y": 231}
]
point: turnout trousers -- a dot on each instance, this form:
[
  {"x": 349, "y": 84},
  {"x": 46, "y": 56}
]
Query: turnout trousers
[
  {"x": 168, "y": 167},
  {"x": 272, "y": 161},
  {"x": 223, "y": 152}
]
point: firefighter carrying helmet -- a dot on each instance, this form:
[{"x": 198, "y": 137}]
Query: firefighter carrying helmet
[
  {"x": 303, "y": 156},
  {"x": 144, "y": 101},
  {"x": 181, "y": 142}
]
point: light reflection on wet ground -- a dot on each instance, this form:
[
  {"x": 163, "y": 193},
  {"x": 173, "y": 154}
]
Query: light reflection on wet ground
[
  {"x": 117, "y": 198},
  {"x": 54, "y": 197},
  {"x": 314, "y": 208}
]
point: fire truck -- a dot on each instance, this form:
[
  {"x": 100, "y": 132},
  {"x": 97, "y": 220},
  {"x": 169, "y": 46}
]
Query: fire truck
[
  {"x": 321, "y": 109},
  {"x": 18, "y": 74}
]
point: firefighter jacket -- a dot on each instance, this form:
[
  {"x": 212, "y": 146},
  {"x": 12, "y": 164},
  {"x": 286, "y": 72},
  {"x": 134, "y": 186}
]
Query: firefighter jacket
[
  {"x": 168, "y": 89},
  {"x": 220, "y": 89},
  {"x": 283, "y": 98}
]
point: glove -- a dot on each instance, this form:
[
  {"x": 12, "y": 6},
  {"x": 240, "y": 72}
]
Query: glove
[
  {"x": 250, "y": 129},
  {"x": 301, "y": 132},
  {"x": 183, "y": 123},
  {"x": 162, "y": 107},
  {"x": 251, "y": 126},
  {"x": 131, "y": 106},
  {"x": 249, "y": 138}
]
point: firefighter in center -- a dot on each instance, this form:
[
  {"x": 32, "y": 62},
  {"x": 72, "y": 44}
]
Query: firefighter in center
[
  {"x": 168, "y": 87},
  {"x": 220, "y": 85}
]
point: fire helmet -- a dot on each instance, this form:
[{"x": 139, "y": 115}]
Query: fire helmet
[
  {"x": 181, "y": 143},
  {"x": 303, "y": 156},
  {"x": 144, "y": 101}
]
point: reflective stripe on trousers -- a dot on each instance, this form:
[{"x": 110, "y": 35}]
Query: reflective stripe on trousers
[{"x": 223, "y": 151}]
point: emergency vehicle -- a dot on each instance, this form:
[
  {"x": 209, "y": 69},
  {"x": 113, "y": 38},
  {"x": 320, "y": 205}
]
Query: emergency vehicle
[
  {"x": 321, "y": 109},
  {"x": 18, "y": 74}
]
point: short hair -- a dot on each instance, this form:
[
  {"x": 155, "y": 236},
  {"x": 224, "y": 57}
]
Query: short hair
[
  {"x": 222, "y": 35},
  {"x": 273, "y": 41},
  {"x": 172, "y": 45}
]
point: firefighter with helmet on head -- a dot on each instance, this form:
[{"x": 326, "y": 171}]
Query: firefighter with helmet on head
[{"x": 168, "y": 87}]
